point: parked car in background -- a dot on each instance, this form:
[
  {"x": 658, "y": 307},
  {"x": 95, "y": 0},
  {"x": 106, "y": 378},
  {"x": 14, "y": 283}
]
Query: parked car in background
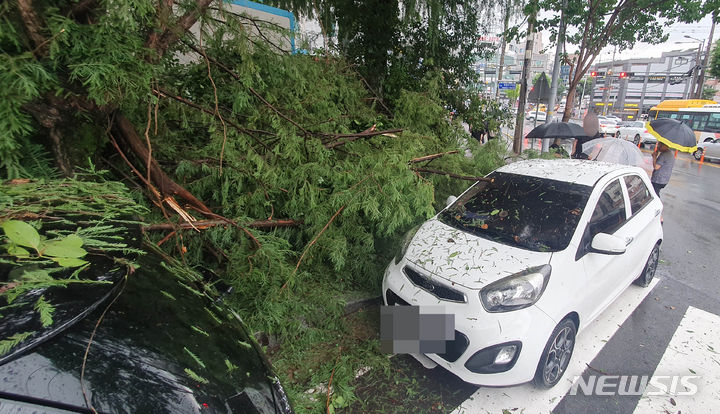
[
  {"x": 124, "y": 339},
  {"x": 527, "y": 259},
  {"x": 636, "y": 133},
  {"x": 608, "y": 127},
  {"x": 711, "y": 149},
  {"x": 541, "y": 116}
]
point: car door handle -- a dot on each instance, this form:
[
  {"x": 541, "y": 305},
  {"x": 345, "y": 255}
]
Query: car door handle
[
  {"x": 657, "y": 212},
  {"x": 629, "y": 240}
]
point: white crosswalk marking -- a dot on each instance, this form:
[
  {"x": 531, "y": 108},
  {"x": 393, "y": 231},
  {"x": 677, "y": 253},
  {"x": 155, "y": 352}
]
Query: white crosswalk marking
[
  {"x": 693, "y": 350},
  {"x": 588, "y": 345}
]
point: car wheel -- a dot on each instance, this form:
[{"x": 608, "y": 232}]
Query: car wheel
[
  {"x": 649, "y": 270},
  {"x": 708, "y": 140},
  {"x": 556, "y": 355},
  {"x": 698, "y": 154},
  {"x": 617, "y": 134}
]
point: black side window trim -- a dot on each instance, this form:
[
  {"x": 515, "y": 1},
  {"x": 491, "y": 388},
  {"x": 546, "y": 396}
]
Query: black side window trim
[
  {"x": 585, "y": 240},
  {"x": 633, "y": 213}
]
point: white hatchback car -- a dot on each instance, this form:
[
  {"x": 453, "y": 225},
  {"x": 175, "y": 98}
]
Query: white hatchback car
[
  {"x": 608, "y": 126},
  {"x": 636, "y": 132},
  {"x": 527, "y": 259}
]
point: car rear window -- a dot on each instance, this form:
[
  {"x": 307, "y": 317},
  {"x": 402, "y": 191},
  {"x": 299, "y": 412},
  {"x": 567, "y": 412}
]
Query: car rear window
[{"x": 527, "y": 212}]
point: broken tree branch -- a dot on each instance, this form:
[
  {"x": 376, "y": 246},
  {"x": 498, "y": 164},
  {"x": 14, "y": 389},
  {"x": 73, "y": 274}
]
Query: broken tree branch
[
  {"x": 461, "y": 177},
  {"x": 172, "y": 33},
  {"x": 126, "y": 131},
  {"x": 431, "y": 157},
  {"x": 355, "y": 137}
]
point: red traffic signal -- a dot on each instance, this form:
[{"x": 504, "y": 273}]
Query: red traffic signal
[
  {"x": 593, "y": 73},
  {"x": 623, "y": 75}
]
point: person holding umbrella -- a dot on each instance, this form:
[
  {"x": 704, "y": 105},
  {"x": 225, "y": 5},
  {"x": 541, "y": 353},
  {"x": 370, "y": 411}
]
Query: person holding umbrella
[
  {"x": 670, "y": 133},
  {"x": 663, "y": 163}
]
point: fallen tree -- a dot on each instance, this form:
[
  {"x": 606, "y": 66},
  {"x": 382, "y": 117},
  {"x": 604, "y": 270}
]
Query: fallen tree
[{"x": 274, "y": 170}]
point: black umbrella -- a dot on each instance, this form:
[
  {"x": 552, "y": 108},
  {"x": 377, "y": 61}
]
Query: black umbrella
[
  {"x": 673, "y": 133},
  {"x": 557, "y": 130}
]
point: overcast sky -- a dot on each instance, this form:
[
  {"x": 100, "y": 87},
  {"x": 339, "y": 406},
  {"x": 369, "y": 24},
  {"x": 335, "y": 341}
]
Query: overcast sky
[{"x": 699, "y": 30}]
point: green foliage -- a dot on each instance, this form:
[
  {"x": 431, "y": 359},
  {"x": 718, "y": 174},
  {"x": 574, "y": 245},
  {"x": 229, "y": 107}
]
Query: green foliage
[
  {"x": 53, "y": 255},
  {"x": 46, "y": 310},
  {"x": 487, "y": 115},
  {"x": 190, "y": 373},
  {"x": 714, "y": 63},
  {"x": 6, "y": 345},
  {"x": 65, "y": 251},
  {"x": 708, "y": 93}
]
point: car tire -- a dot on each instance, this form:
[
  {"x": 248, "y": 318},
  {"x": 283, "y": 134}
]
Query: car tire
[
  {"x": 556, "y": 355},
  {"x": 648, "y": 272},
  {"x": 617, "y": 134},
  {"x": 708, "y": 140},
  {"x": 698, "y": 154},
  {"x": 636, "y": 140}
]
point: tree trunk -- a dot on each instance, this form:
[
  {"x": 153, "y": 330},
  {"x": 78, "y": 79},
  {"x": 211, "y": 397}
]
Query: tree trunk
[
  {"x": 567, "y": 113},
  {"x": 506, "y": 23}
]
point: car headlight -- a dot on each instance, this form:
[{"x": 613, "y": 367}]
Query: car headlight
[
  {"x": 406, "y": 243},
  {"x": 516, "y": 291}
]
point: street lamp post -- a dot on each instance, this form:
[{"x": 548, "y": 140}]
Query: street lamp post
[{"x": 693, "y": 93}]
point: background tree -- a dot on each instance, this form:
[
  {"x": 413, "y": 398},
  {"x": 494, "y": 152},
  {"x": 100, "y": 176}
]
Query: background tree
[
  {"x": 714, "y": 65},
  {"x": 594, "y": 24},
  {"x": 400, "y": 46}
]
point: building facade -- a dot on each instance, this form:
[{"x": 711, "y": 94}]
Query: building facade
[
  {"x": 629, "y": 88},
  {"x": 512, "y": 67}
]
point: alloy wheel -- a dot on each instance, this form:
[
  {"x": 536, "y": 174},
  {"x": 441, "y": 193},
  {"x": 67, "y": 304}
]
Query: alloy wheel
[{"x": 559, "y": 355}]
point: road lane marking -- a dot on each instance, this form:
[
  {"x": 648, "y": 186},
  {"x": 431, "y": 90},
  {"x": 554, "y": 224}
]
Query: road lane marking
[
  {"x": 589, "y": 343},
  {"x": 693, "y": 350}
]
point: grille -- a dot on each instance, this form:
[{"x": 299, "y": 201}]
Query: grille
[{"x": 436, "y": 289}]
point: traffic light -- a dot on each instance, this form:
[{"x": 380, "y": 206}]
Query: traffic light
[
  {"x": 593, "y": 73},
  {"x": 623, "y": 75}
]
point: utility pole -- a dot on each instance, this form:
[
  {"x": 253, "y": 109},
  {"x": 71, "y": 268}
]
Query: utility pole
[
  {"x": 520, "y": 117},
  {"x": 703, "y": 69},
  {"x": 696, "y": 67},
  {"x": 555, "y": 74}
]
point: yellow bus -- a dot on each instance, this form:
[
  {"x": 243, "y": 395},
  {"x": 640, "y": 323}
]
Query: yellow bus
[{"x": 702, "y": 116}]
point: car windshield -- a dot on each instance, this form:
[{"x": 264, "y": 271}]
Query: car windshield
[{"x": 527, "y": 212}]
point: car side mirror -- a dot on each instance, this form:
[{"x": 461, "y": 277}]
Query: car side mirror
[
  {"x": 451, "y": 199},
  {"x": 604, "y": 243}
]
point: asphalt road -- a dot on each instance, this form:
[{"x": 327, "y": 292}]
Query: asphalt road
[{"x": 671, "y": 328}]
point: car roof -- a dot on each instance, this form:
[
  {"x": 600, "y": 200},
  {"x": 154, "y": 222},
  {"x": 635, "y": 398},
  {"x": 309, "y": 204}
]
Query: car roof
[{"x": 582, "y": 172}]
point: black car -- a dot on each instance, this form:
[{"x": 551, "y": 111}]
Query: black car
[{"x": 151, "y": 339}]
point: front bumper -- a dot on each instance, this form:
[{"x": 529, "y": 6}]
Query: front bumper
[{"x": 477, "y": 330}]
